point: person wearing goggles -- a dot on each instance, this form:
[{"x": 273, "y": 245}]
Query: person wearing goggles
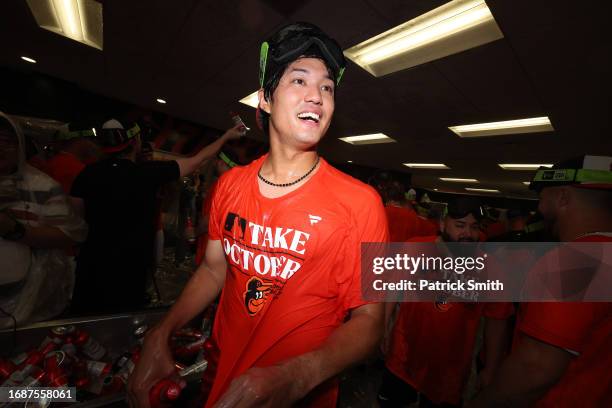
[
  {"x": 285, "y": 234},
  {"x": 433, "y": 364},
  {"x": 561, "y": 353}
]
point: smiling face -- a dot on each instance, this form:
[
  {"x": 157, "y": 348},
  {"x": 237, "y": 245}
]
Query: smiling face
[
  {"x": 302, "y": 105},
  {"x": 464, "y": 229}
]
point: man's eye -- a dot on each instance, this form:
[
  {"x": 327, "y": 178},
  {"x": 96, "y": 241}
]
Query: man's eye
[
  {"x": 298, "y": 81},
  {"x": 327, "y": 88}
]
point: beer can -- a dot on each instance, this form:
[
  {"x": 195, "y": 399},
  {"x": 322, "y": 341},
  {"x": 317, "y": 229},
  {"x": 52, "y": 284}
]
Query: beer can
[
  {"x": 89, "y": 346},
  {"x": 164, "y": 392},
  {"x": 7, "y": 368}
]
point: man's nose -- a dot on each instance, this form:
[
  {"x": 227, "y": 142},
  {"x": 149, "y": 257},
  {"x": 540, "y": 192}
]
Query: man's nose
[{"x": 313, "y": 95}]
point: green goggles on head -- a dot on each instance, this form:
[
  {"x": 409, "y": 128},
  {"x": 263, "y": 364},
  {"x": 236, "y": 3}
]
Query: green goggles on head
[
  {"x": 601, "y": 179},
  {"x": 296, "y": 40},
  {"x": 63, "y": 135},
  {"x": 116, "y": 137}
]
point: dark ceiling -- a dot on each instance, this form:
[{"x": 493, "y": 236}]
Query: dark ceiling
[{"x": 202, "y": 56}]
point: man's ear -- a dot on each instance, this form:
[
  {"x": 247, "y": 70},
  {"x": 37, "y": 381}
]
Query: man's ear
[{"x": 263, "y": 103}]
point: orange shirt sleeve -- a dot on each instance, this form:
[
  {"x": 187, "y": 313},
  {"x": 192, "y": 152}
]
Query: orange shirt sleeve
[
  {"x": 371, "y": 226},
  {"x": 565, "y": 325}
]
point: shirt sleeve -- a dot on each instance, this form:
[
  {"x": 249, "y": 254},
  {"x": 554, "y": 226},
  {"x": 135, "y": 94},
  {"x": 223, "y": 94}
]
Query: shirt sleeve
[
  {"x": 371, "y": 226},
  {"x": 566, "y": 325}
]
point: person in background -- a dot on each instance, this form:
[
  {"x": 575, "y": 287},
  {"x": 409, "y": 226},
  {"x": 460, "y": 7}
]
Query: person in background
[
  {"x": 402, "y": 219},
  {"x": 77, "y": 148},
  {"x": 561, "y": 356},
  {"x": 429, "y": 353},
  {"x": 118, "y": 198},
  {"x": 517, "y": 227},
  {"x": 226, "y": 160},
  {"x": 37, "y": 224}
]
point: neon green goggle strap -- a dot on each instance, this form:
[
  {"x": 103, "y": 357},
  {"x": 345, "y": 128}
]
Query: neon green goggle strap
[
  {"x": 76, "y": 134},
  {"x": 573, "y": 176},
  {"x": 263, "y": 60},
  {"x": 135, "y": 130},
  {"x": 227, "y": 160}
]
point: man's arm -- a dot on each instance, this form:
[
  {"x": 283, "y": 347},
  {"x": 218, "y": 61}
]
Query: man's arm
[
  {"x": 525, "y": 376},
  {"x": 188, "y": 165},
  {"x": 390, "y": 317},
  {"x": 496, "y": 339},
  {"x": 156, "y": 359},
  {"x": 283, "y": 384},
  {"x": 43, "y": 237}
]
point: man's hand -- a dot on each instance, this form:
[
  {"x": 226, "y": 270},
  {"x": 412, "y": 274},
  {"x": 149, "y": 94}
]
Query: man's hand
[
  {"x": 154, "y": 364},
  {"x": 235, "y": 132},
  {"x": 274, "y": 386},
  {"x": 187, "y": 165}
]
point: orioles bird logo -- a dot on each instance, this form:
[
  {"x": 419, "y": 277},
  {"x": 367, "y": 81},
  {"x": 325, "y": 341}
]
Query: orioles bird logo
[
  {"x": 255, "y": 295},
  {"x": 442, "y": 304}
]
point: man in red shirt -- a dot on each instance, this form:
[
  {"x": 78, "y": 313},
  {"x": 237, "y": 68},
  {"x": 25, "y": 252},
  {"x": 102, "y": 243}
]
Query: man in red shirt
[
  {"x": 285, "y": 234},
  {"x": 402, "y": 219},
  {"x": 562, "y": 352},
  {"x": 76, "y": 150},
  {"x": 432, "y": 343}
]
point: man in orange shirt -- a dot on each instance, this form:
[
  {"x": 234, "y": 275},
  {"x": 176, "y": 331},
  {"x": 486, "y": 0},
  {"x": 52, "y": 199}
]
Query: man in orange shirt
[
  {"x": 285, "y": 234},
  {"x": 432, "y": 343},
  {"x": 562, "y": 352}
]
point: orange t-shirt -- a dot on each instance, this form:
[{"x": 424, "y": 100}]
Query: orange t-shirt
[
  {"x": 64, "y": 167},
  {"x": 583, "y": 328},
  {"x": 293, "y": 267},
  {"x": 403, "y": 223},
  {"x": 432, "y": 344}
]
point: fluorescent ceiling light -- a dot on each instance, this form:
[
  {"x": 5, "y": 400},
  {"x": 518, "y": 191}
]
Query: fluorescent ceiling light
[
  {"x": 508, "y": 127},
  {"x": 508, "y": 166},
  {"x": 374, "y": 138},
  {"x": 459, "y": 180},
  {"x": 482, "y": 190},
  {"x": 28, "y": 59},
  {"x": 349, "y": 161},
  {"x": 526, "y": 183},
  {"x": 79, "y": 20},
  {"x": 451, "y": 28},
  {"x": 252, "y": 100},
  {"x": 435, "y": 189},
  {"x": 426, "y": 165},
  {"x": 160, "y": 100}
]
